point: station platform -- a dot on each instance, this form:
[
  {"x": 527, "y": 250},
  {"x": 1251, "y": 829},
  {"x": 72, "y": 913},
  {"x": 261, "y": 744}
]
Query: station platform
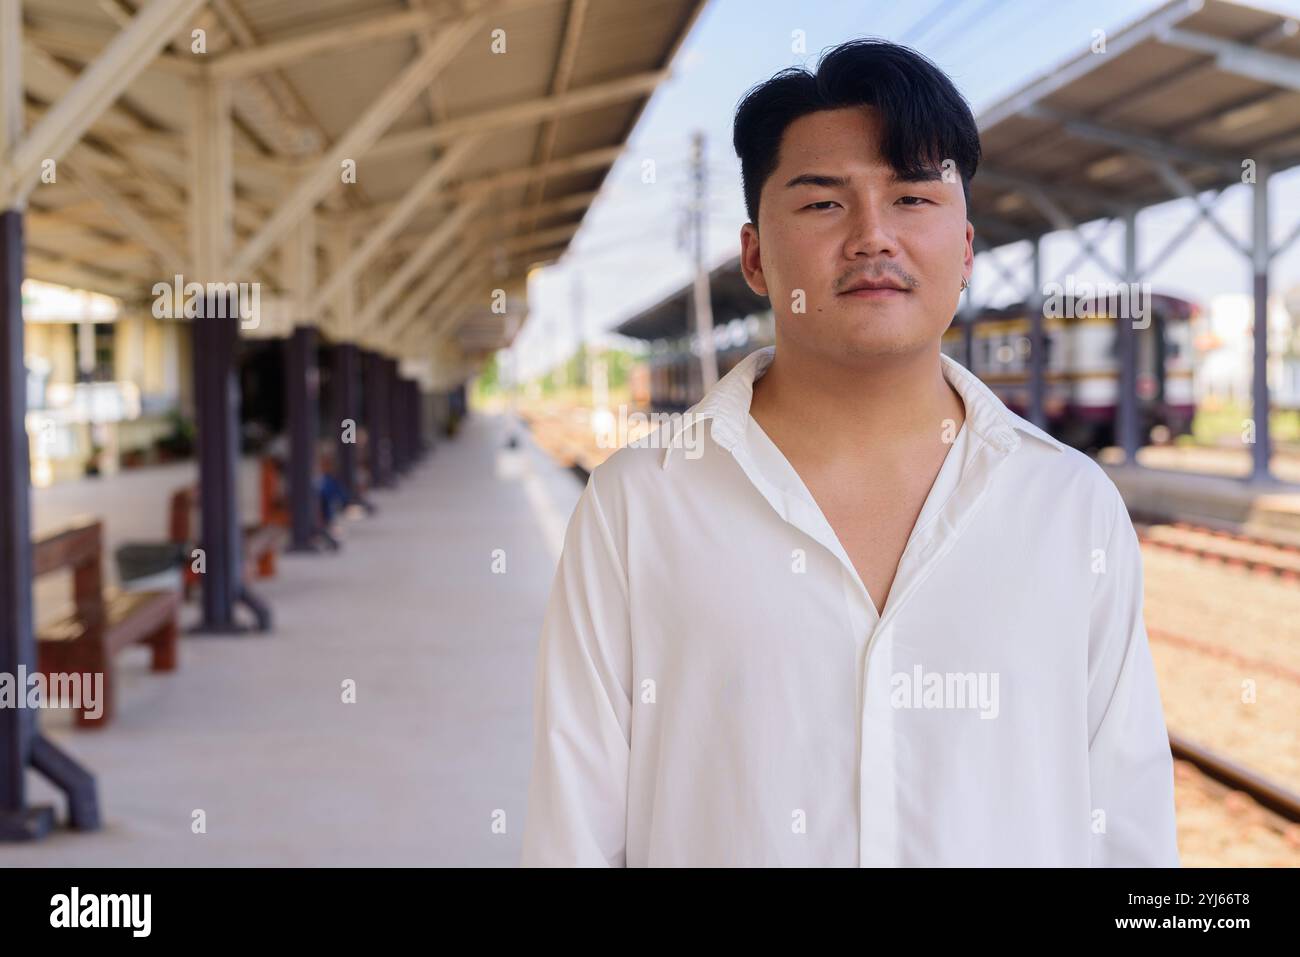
[
  {"x": 1209, "y": 486},
  {"x": 252, "y": 730}
]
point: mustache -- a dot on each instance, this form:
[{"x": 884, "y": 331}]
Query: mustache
[{"x": 876, "y": 274}]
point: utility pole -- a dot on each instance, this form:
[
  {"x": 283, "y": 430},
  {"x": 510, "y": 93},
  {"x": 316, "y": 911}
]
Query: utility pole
[
  {"x": 702, "y": 301},
  {"x": 581, "y": 372},
  {"x": 559, "y": 371}
]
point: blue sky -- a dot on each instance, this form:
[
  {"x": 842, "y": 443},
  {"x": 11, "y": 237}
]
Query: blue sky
[{"x": 627, "y": 256}]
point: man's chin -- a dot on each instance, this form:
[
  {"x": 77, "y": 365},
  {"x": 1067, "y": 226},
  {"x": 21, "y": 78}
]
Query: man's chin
[{"x": 867, "y": 344}]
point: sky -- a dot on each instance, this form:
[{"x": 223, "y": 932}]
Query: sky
[{"x": 628, "y": 254}]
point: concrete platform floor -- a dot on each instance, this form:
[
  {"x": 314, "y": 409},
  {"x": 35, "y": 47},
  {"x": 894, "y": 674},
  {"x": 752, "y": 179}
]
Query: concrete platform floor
[{"x": 252, "y": 730}]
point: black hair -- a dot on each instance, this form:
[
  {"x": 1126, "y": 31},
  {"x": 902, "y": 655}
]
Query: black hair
[{"x": 924, "y": 118}]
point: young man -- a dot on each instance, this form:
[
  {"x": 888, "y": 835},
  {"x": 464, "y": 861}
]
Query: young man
[{"x": 856, "y": 612}]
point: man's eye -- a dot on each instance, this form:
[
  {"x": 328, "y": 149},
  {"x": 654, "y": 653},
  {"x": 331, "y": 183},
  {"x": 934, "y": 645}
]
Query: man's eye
[
  {"x": 919, "y": 200},
  {"x": 822, "y": 204}
]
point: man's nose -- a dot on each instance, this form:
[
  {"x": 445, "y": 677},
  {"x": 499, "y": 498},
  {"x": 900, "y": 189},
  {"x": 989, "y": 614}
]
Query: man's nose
[{"x": 870, "y": 236}]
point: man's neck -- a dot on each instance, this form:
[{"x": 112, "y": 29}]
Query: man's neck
[{"x": 826, "y": 413}]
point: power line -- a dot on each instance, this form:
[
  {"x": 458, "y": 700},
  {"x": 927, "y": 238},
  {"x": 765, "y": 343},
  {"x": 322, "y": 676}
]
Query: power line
[
  {"x": 925, "y": 23},
  {"x": 976, "y": 14}
]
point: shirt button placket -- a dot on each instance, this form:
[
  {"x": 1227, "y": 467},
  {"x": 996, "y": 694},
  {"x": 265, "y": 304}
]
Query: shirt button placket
[{"x": 876, "y": 788}]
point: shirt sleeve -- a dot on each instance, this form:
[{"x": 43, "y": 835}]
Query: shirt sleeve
[
  {"x": 1130, "y": 764},
  {"x": 582, "y": 707}
]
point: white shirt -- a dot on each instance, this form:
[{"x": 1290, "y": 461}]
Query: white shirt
[{"x": 715, "y": 688}]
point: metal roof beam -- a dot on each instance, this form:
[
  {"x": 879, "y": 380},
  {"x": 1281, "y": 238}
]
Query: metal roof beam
[
  {"x": 485, "y": 186},
  {"x": 1177, "y": 239},
  {"x": 122, "y": 210},
  {"x": 379, "y": 237},
  {"x": 1087, "y": 248},
  {"x": 1061, "y": 220},
  {"x": 433, "y": 244},
  {"x": 991, "y": 257},
  {"x": 1085, "y": 64},
  {"x": 400, "y": 320},
  {"x": 363, "y": 133},
  {"x": 521, "y": 114},
  {"x": 271, "y": 56},
  {"x": 94, "y": 91},
  {"x": 1183, "y": 188},
  {"x": 1137, "y": 143},
  {"x": 1238, "y": 58},
  {"x": 1015, "y": 182},
  {"x": 1003, "y": 232}
]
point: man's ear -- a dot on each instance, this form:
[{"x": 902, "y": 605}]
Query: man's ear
[
  {"x": 751, "y": 263},
  {"x": 968, "y": 261}
]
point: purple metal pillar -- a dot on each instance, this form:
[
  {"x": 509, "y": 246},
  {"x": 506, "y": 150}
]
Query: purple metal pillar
[
  {"x": 216, "y": 400},
  {"x": 347, "y": 410},
  {"x": 303, "y": 386},
  {"x": 21, "y": 746},
  {"x": 376, "y": 399},
  {"x": 414, "y": 418},
  {"x": 397, "y": 417}
]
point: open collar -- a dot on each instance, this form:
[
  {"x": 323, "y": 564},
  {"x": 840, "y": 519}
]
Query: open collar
[{"x": 727, "y": 406}]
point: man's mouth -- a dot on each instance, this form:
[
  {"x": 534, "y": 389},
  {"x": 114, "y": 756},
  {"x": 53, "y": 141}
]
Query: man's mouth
[{"x": 875, "y": 289}]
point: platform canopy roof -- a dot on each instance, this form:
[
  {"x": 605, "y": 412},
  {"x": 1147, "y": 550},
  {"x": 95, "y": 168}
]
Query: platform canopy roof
[
  {"x": 1187, "y": 99},
  {"x": 477, "y": 132},
  {"x": 729, "y": 294}
]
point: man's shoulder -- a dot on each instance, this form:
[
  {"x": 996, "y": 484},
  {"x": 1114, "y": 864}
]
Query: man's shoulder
[
  {"x": 652, "y": 463},
  {"x": 1066, "y": 457},
  {"x": 1064, "y": 471}
]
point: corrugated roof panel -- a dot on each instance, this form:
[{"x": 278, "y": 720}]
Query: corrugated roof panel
[{"x": 282, "y": 19}]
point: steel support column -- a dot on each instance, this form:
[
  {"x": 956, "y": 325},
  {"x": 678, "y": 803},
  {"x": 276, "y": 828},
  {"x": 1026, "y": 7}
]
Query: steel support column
[
  {"x": 302, "y": 383},
  {"x": 417, "y": 430},
  {"x": 21, "y": 746},
  {"x": 1037, "y": 341},
  {"x": 1262, "y": 448},
  {"x": 376, "y": 400},
  {"x": 216, "y": 400},
  {"x": 397, "y": 418},
  {"x": 347, "y": 409},
  {"x": 1126, "y": 428}
]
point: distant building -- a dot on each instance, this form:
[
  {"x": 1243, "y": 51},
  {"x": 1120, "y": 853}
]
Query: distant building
[
  {"x": 1224, "y": 351},
  {"x": 103, "y": 379}
]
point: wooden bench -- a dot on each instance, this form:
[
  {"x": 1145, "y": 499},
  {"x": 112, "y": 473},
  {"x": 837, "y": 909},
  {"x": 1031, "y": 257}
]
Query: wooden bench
[
  {"x": 104, "y": 620},
  {"x": 261, "y": 542}
]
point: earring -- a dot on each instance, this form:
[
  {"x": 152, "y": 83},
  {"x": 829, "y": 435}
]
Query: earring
[{"x": 964, "y": 282}]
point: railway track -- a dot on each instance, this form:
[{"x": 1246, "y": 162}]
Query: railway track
[
  {"x": 1223, "y": 543},
  {"x": 1269, "y": 795},
  {"x": 565, "y": 442}
]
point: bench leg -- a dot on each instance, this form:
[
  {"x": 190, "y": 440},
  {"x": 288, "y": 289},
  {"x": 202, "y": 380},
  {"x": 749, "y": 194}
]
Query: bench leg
[
  {"x": 85, "y": 655},
  {"x": 163, "y": 645},
  {"x": 94, "y": 658}
]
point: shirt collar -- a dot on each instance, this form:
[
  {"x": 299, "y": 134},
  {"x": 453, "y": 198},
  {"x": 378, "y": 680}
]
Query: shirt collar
[{"x": 727, "y": 405}]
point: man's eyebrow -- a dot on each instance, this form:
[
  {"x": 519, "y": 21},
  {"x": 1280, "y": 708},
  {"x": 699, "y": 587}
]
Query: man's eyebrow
[
  {"x": 927, "y": 174},
  {"x": 818, "y": 179}
]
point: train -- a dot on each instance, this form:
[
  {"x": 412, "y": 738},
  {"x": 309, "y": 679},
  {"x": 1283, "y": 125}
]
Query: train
[
  {"x": 1081, "y": 374},
  {"x": 1080, "y": 380}
]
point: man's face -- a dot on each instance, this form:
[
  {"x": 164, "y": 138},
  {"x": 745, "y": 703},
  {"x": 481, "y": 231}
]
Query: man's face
[{"x": 833, "y": 216}]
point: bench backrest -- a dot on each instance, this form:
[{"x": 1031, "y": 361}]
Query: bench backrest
[{"x": 78, "y": 546}]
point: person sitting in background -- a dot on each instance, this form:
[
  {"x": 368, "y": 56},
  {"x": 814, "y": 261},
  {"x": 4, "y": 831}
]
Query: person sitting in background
[{"x": 333, "y": 496}]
